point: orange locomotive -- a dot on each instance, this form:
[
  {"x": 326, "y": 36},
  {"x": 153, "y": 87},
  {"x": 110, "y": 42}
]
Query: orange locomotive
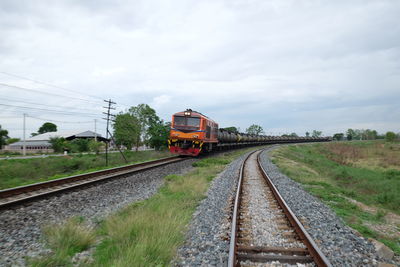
[{"x": 192, "y": 132}]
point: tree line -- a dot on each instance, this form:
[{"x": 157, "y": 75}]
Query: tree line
[{"x": 368, "y": 134}]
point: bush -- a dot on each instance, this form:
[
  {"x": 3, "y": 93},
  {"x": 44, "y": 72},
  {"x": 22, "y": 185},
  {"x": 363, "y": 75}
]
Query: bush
[
  {"x": 390, "y": 136},
  {"x": 80, "y": 145},
  {"x": 58, "y": 144}
]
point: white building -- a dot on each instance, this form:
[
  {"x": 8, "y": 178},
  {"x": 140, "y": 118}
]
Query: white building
[{"x": 40, "y": 143}]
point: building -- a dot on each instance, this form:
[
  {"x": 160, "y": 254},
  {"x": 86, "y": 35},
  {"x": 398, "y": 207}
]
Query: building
[{"x": 41, "y": 142}]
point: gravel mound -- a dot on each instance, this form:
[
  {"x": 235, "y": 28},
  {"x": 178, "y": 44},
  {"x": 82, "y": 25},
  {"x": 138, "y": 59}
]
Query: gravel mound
[
  {"x": 340, "y": 244},
  {"x": 20, "y": 227}
]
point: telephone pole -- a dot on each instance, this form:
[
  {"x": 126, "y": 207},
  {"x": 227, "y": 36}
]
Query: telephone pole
[
  {"x": 108, "y": 107},
  {"x": 24, "y": 143},
  {"x": 95, "y": 130}
]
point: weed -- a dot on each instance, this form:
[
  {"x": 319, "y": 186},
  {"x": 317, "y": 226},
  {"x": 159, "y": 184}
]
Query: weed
[
  {"x": 364, "y": 171},
  {"x": 65, "y": 240},
  {"x": 210, "y": 161}
]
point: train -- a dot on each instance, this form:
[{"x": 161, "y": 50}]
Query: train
[{"x": 193, "y": 133}]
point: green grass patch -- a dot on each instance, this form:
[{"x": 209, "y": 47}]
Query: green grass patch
[
  {"x": 148, "y": 233},
  {"x": 336, "y": 178},
  {"x": 64, "y": 240},
  {"x": 17, "y": 172}
]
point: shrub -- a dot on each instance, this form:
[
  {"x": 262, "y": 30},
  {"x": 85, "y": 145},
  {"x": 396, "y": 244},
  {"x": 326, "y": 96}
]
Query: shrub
[{"x": 390, "y": 136}]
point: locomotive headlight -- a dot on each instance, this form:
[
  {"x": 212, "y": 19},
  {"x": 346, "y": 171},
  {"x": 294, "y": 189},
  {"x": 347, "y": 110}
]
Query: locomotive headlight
[
  {"x": 187, "y": 113},
  {"x": 175, "y": 134},
  {"x": 195, "y": 136}
]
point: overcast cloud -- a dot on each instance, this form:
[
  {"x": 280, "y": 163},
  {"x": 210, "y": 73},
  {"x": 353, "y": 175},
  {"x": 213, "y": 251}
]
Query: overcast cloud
[{"x": 289, "y": 66}]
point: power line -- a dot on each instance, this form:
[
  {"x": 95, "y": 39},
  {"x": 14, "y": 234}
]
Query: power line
[
  {"x": 47, "y": 84},
  {"x": 52, "y": 110},
  {"x": 46, "y": 93},
  {"x": 58, "y": 120},
  {"x": 16, "y": 117},
  {"x": 52, "y": 85},
  {"x": 28, "y": 102}
]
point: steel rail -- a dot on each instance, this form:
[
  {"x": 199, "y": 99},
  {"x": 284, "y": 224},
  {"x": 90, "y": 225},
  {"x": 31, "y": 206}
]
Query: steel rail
[
  {"x": 16, "y": 195},
  {"x": 316, "y": 254},
  {"x": 235, "y": 221}
]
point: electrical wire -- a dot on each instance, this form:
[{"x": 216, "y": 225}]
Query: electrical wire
[
  {"x": 50, "y": 120},
  {"x": 32, "y": 103},
  {"x": 52, "y": 110},
  {"x": 45, "y": 93},
  {"x": 47, "y": 84},
  {"x": 52, "y": 85}
]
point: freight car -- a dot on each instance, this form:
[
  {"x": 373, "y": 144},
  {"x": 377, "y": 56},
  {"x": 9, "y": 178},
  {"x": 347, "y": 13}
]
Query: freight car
[{"x": 192, "y": 133}]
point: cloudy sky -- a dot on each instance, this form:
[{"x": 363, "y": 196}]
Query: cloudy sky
[{"x": 289, "y": 66}]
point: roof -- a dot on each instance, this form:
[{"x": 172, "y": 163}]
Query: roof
[
  {"x": 30, "y": 143},
  {"x": 64, "y": 134},
  {"x": 43, "y": 139}
]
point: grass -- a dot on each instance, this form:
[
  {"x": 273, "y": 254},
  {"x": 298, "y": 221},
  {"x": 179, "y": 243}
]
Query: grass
[
  {"x": 355, "y": 179},
  {"x": 65, "y": 241},
  {"x": 17, "y": 172},
  {"x": 148, "y": 233}
]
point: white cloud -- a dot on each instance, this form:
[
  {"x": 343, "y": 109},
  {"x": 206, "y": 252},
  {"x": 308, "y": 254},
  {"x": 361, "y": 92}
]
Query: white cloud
[{"x": 98, "y": 73}]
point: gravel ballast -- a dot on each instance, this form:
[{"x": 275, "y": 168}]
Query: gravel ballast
[
  {"x": 20, "y": 227},
  {"x": 207, "y": 240},
  {"x": 340, "y": 244}
]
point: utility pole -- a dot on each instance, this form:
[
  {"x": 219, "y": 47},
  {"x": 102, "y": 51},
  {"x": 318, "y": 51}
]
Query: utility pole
[
  {"x": 109, "y": 107},
  {"x": 24, "y": 142},
  {"x": 95, "y": 130}
]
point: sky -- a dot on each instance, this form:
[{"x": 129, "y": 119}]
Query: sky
[{"x": 289, "y": 66}]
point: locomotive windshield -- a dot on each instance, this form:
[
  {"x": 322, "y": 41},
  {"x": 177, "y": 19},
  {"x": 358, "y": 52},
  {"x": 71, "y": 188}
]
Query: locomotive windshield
[
  {"x": 179, "y": 121},
  {"x": 186, "y": 122},
  {"x": 193, "y": 122}
]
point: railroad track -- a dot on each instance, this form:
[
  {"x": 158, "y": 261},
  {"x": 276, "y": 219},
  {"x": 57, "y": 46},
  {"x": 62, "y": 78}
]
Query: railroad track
[
  {"x": 18, "y": 195},
  {"x": 264, "y": 229}
]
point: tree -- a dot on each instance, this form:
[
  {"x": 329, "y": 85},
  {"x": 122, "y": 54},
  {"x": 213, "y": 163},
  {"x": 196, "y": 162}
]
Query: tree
[
  {"x": 47, "y": 127},
  {"x": 255, "y": 129},
  {"x": 338, "y": 136},
  {"x": 79, "y": 145},
  {"x": 126, "y": 130},
  {"x": 370, "y": 134},
  {"x": 350, "y": 134},
  {"x": 390, "y": 136},
  {"x": 316, "y": 133},
  {"x": 3, "y": 137},
  {"x": 307, "y": 134},
  {"x": 293, "y": 135},
  {"x": 231, "y": 129},
  {"x": 58, "y": 144},
  {"x": 146, "y": 117},
  {"x": 12, "y": 140},
  {"x": 158, "y": 133},
  {"x": 95, "y": 146}
]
